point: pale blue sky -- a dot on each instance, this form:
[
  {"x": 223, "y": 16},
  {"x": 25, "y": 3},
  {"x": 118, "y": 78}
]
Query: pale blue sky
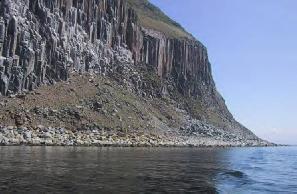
[{"x": 252, "y": 45}]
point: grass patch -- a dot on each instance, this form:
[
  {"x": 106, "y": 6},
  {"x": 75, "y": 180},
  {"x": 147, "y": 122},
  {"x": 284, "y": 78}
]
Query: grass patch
[{"x": 152, "y": 17}]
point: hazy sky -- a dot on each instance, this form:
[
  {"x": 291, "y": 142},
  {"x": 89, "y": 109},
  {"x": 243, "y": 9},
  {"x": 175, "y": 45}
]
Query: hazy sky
[{"x": 252, "y": 45}]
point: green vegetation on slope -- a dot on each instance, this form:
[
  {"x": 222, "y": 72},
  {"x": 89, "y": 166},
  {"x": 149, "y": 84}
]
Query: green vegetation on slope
[{"x": 152, "y": 17}]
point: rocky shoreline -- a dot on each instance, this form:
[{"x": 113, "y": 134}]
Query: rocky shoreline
[{"x": 47, "y": 136}]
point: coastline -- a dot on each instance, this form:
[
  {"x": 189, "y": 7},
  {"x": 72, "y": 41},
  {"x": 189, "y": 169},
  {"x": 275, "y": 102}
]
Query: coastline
[{"x": 41, "y": 136}]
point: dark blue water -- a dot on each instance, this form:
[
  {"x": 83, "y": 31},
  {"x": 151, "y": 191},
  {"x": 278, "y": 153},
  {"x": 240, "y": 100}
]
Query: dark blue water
[{"x": 148, "y": 170}]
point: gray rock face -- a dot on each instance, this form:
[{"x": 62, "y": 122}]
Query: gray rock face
[{"x": 42, "y": 41}]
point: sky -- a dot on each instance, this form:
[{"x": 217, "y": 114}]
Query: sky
[{"x": 252, "y": 46}]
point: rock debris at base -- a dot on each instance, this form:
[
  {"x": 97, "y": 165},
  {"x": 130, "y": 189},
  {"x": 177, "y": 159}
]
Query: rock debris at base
[{"x": 41, "y": 136}]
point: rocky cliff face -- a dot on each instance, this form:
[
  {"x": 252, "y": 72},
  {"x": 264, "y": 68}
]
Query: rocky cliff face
[{"x": 43, "y": 41}]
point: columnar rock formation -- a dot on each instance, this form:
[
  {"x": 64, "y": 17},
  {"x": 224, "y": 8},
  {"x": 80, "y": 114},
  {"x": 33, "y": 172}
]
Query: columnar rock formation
[{"x": 41, "y": 41}]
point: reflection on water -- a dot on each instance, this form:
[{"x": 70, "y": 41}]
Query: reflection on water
[{"x": 145, "y": 170}]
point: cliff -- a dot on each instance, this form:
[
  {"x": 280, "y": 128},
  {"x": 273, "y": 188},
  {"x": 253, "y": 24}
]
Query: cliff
[{"x": 43, "y": 42}]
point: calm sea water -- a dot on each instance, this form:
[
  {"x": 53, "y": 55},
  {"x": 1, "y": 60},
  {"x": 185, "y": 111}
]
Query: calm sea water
[{"x": 148, "y": 170}]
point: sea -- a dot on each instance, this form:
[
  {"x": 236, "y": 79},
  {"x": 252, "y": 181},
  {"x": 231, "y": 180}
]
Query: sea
[{"x": 26, "y": 169}]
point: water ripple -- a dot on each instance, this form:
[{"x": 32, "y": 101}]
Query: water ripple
[{"x": 147, "y": 170}]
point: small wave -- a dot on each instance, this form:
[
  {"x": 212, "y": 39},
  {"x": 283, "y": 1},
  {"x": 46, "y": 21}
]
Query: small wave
[{"x": 235, "y": 173}]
